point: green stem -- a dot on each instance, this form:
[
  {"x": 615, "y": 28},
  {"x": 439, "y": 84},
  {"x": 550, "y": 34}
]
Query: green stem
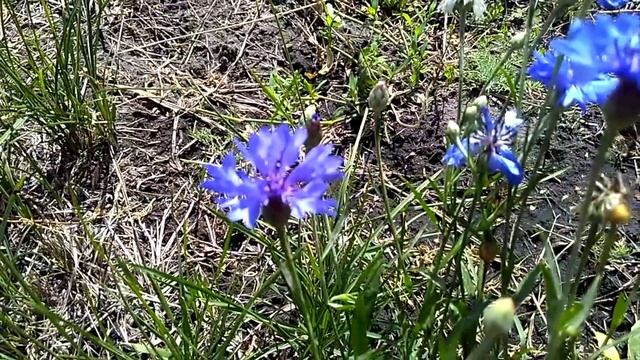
[
  {"x": 506, "y": 260},
  {"x": 291, "y": 277},
  {"x": 554, "y": 116},
  {"x": 383, "y": 187},
  {"x": 612, "y": 235},
  {"x": 596, "y": 169},
  {"x": 526, "y": 54},
  {"x": 590, "y": 243},
  {"x": 482, "y": 272},
  {"x": 461, "y": 62}
]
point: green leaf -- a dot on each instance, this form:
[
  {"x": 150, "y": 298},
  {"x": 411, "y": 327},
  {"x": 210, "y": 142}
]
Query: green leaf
[
  {"x": 527, "y": 286},
  {"x": 343, "y": 302},
  {"x": 622, "y": 304},
  {"x": 633, "y": 346},
  {"x": 569, "y": 321},
  {"x": 144, "y": 349},
  {"x": 469, "y": 280},
  {"x": 552, "y": 285},
  {"x": 365, "y": 304},
  {"x": 572, "y": 320},
  {"x": 466, "y": 326}
]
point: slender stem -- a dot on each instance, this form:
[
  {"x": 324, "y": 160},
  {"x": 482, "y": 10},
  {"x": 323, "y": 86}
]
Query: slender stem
[
  {"x": 293, "y": 281},
  {"x": 590, "y": 243},
  {"x": 554, "y": 116},
  {"x": 526, "y": 54},
  {"x": 463, "y": 15},
  {"x": 612, "y": 235},
  {"x": 506, "y": 251},
  {"x": 383, "y": 187},
  {"x": 482, "y": 272},
  {"x": 596, "y": 168}
]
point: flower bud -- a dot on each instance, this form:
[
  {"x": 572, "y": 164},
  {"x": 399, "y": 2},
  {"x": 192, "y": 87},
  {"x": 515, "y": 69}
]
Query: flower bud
[
  {"x": 617, "y": 210},
  {"x": 488, "y": 251},
  {"x": 452, "y": 130},
  {"x": 314, "y": 132},
  {"x": 378, "y": 97},
  {"x": 498, "y": 317},
  {"x": 517, "y": 40},
  {"x": 471, "y": 113},
  {"x": 611, "y": 201},
  {"x": 481, "y": 101}
]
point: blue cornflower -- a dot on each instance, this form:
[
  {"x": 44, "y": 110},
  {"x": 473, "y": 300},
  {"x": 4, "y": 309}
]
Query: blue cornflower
[
  {"x": 495, "y": 139},
  {"x": 601, "y": 62},
  {"x": 612, "y": 4},
  {"x": 607, "y": 45},
  {"x": 281, "y": 183},
  {"x": 571, "y": 83}
]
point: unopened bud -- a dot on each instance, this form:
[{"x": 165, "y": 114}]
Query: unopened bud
[
  {"x": 517, "y": 40},
  {"x": 481, "y": 101},
  {"x": 617, "y": 210},
  {"x": 471, "y": 113},
  {"x": 488, "y": 251},
  {"x": 611, "y": 201},
  {"x": 378, "y": 97},
  {"x": 314, "y": 132},
  {"x": 498, "y": 317},
  {"x": 452, "y": 130},
  {"x": 309, "y": 114}
]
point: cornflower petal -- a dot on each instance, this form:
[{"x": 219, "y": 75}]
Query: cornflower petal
[
  {"x": 494, "y": 139},
  {"x": 224, "y": 178},
  {"x": 246, "y": 210},
  {"x": 511, "y": 121},
  {"x": 607, "y": 45},
  {"x": 260, "y": 150},
  {"x": 479, "y": 8},
  {"x": 487, "y": 120},
  {"x": 308, "y": 200},
  {"x": 318, "y": 164},
  {"x": 612, "y": 4},
  {"x": 505, "y": 161},
  {"x": 291, "y": 145},
  {"x": 447, "y": 6},
  {"x": 457, "y": 157},
  {"x": 575, "y": 84}
]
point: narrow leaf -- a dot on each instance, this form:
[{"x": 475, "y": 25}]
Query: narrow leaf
[
  {"x": 363, "y": 311},
  {"x": 622, "y": 304},
  {"x": 633, "y": 346},
  {"x": 527, "y": 286}
]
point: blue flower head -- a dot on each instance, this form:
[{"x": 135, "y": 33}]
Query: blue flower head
[
  {"x": 282, "y": 184},
  {"x": 607, "y": 45},
  {"x": 573, "y": 88},
  {"x": 601, "y": 59},
  {"x": 602, "y": 65},
  {"x": 495, "y": 139}
]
